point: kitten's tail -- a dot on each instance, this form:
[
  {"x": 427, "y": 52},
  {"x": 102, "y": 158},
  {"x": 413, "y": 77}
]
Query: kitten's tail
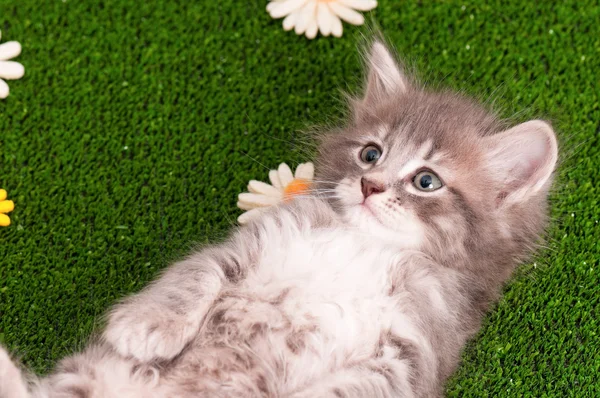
[{"x": 12, "y": 383}]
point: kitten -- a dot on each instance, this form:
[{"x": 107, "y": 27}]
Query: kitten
[{"x": 370, "y": 287}]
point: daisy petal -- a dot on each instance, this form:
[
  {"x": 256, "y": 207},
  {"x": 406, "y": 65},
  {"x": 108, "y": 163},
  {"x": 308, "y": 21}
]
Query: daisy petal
[
  {"x": 271, "y": 5},
  {"x": 298, "y": 171},
  {"x": 3, "y": 194},
  {"x": 4, "y": 220},
  {"x": 275, "y": 181},
  {"x": 306, "y": 171},
  {"x": 312, "y": 29},
  {"x": 9, "y": 50},
  {"x": 245, "y": 206},
  {"x": 336, "y": 26},
  {"x": 360, "y": 5},
  {"x": 299, "y": 28},
  {"x": 324, "y": 19},
  {"x": 249, "y": 216},
  {"x": 300, "y": 23},
  {"x": 7, "y": 206},
  {"x": 290, "y": 21},
  {"x": 347, "y": 14},
  {"x": 11, "y": 70},
  {"x": 285, "y": 174},
  {"x": 307, "y": 14},
  {"x": 3, "y": 89},
  {"x": 252, "y": 200},
  {"x": 263, "y": 188},
  {"x": 283, "y": 8}
]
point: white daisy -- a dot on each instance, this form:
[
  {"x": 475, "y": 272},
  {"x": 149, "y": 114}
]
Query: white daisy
[
  {"x": 284, "y": 186},
  {"x": 9, "y": 70},
  {"x": 311, "y": 16}
]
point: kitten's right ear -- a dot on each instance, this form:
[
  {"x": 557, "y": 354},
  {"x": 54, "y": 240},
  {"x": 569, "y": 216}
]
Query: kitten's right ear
[
  {"x": 385, "y": 77},
  {"x": 523, "y": 159}
]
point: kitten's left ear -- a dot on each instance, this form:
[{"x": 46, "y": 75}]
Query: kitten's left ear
[
  {"x": 523, "y": 159},
  {"x": 384, "y": 77}
]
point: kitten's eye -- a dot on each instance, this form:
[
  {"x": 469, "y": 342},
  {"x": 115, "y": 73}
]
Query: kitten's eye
[
  {"x": 370, "y": 154},
  {"x": 427, "y": 181}
]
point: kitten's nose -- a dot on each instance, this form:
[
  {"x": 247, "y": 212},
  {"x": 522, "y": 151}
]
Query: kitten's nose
[{"x": 370, "y": 187}]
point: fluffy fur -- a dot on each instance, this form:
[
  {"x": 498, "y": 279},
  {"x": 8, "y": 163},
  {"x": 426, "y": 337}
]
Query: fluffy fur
[{"x": 369, "y": 287}]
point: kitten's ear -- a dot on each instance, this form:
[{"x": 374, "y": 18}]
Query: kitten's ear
[
  {"x": 523, "y": 159},
  {"x": 385, "y": 77}
]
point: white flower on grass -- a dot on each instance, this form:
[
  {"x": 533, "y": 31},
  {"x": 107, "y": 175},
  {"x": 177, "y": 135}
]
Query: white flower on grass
[
  {"x": 310, "y": 16},
  {"x": 9, "y": 70},
  {"x": 284, "y": 186}
]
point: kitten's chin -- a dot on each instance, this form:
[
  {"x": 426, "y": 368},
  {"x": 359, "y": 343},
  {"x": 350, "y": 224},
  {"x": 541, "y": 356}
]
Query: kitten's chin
[{"x": 401, "y": 231}]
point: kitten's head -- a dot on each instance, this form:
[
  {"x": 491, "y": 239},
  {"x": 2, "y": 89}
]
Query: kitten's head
[{"x": 436, "y": 171}]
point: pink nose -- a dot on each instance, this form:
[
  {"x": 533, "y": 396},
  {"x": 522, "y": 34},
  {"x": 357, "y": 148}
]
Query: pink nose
[{"x": 370, "y": 187}]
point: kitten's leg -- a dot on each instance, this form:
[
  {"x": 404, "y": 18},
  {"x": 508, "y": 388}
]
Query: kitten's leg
[
  {"x": 158, "y": 322},
  {"x": 404, "y": 367},
  {"x": 376, "y": 378},
  {"x": 12, "y": 384}
]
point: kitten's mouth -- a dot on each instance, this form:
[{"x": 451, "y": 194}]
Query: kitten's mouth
[
  {"x": 372, "y": 212},
  {"x": 366, "y": 207},
  {"x": 368, "y": 210}
]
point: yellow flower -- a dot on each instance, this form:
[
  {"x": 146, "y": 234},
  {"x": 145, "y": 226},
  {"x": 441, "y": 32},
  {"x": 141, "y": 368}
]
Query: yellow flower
[
  {"x": 284, "y": 186},
  {"x": 6, "y": 206}
]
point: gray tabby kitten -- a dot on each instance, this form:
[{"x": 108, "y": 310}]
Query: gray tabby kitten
[{"x": 369, "y": 288}]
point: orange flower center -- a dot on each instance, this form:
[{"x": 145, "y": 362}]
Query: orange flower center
[{"x": 298, "y": 186}]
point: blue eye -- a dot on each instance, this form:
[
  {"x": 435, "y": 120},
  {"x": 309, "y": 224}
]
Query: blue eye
[
  {"x": 370, "y": 154},
  {"x": 427, "y": 181}
]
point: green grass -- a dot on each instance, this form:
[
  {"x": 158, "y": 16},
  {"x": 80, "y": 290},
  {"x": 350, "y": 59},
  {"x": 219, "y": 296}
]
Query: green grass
[{"x": 136, "y": 125}]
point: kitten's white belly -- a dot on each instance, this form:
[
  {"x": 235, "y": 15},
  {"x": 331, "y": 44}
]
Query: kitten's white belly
[{"x": 334, "y": 279}]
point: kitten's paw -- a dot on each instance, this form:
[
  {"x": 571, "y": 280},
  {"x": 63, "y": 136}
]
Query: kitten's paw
[
  {"x": 147, "y": 337},
  {"x": 11, "y": 380}
]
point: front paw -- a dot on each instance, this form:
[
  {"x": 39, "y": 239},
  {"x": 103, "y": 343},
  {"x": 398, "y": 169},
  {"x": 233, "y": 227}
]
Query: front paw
[
  {"x": 11, "y": 380},
  {"x": 147, "y": 336}
]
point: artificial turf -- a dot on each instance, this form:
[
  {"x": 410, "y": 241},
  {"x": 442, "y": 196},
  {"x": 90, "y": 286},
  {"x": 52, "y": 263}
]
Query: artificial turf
[{"x": 139, "y": 122}]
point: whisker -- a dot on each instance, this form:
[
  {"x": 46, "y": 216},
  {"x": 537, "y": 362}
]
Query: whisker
[{"x": 246, "y": 154}]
